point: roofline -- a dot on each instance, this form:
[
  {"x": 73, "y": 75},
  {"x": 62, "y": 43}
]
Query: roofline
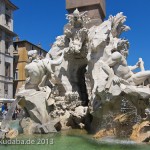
[
  {"x": 11, "y": 4},
  {"x": 30, "y": 43},
  {"x": 8, "y": 31}
]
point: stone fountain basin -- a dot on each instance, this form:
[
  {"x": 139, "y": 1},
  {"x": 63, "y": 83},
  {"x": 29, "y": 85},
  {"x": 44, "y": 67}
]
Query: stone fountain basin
[{"x": 74, "y": 140}]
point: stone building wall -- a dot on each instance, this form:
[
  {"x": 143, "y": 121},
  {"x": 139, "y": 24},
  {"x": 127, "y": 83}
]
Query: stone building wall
[{"x": 6, "y": 48}]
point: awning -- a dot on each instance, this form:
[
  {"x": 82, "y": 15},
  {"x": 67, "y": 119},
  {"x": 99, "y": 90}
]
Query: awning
[{"x": 4, "y": 100}]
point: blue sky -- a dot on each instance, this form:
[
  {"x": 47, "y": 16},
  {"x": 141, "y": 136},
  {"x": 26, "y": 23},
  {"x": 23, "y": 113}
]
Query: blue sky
[{"x": 43, "y": 20}]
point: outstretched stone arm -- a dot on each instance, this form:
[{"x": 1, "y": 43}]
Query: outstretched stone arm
[
  {"x": 133, "y": 67},
  {"x": 139, "y": 64},
  {"x": 58, "y": 61}
]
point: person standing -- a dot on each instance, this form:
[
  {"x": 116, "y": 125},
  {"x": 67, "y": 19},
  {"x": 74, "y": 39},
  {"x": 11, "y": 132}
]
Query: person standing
[{"x": 3, "y": 107}]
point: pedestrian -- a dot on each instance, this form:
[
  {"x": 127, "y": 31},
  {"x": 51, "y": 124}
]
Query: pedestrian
[
  {"x": 5, "y": 113},
  {"x": 3, "y": 107}
]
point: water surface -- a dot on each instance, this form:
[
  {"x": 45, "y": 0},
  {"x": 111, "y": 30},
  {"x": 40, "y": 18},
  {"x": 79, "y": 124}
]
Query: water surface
[{"x": 72, "y": 140}]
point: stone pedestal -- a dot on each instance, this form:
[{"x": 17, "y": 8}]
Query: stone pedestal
[{"x": 96, "y": 9}]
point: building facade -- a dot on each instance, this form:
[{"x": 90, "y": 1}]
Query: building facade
[
  {"x": 21, "y": 49},
  {"x": 6, "y": 48}
]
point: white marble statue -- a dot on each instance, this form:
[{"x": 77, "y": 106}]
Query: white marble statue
[
  {"x": 57, "y": 48},
  {"x": 77, "y": 35},
  {"x": 112, "y": 51},
  {"x": 87, "y": 69},
  {"x": 118, "y": 62},
  {"x": 38, "y": 71}
]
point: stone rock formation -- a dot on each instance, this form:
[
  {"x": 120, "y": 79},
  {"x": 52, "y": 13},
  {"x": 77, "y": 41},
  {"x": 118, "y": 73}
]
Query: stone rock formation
[{"x": 141, "y": 132}]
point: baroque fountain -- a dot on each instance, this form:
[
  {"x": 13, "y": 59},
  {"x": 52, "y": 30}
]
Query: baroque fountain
[{"x": 85, "y": 82}]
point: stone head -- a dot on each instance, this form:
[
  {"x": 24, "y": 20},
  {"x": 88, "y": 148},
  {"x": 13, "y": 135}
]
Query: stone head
[
  {"x": 76, "y": 15},
  {"x": 123, "y": 47},
  {"x": 32, "y": 54},
  {"x": 125, "y": 51},
  {"x": 60, "y": 41}
]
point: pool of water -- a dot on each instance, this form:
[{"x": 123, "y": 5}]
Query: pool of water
[{"x": 72, "y": 140}]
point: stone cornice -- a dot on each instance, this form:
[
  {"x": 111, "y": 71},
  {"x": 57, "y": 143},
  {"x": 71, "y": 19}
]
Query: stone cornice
[
  {"x": 11, "y": 82},
  {"x": 6, "y": 55},
  {"x": 8, "y": 31},
  {"x": 11, "y": 78}
]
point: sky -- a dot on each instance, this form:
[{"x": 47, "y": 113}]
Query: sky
[{"x": 41, "y": 21}]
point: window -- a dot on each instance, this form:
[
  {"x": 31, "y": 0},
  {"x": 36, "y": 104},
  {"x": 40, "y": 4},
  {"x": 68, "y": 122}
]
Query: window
[
  {"x": 40, "y": 53},
  {"x": 8, "y": 19},
  {"x": 16, "y": 76},
  {"x": 7, "y": 44},
  {"x": 15, "y": 47},
  {"x": 32, "y": 47},
  {"x": 7, "y": 9},
  {"x": 6, "y": 88},
  {"x": 15, "y": 58},
  {"x": 7, "y": 69}
]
